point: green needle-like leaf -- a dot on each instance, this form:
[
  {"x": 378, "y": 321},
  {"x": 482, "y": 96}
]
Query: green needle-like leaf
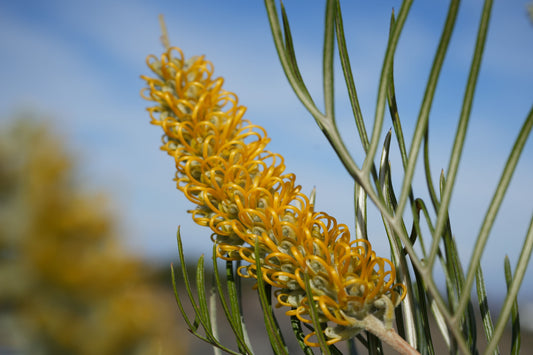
[
  {"x": 178, "y": 299},
  {"x": 384, "y": 161},
  {"x": 313, "y": 312},
  {"x": 457, "y": 149},
  {"x": 424, "y": 342},
  {"x": 423, "y": 116},
  {"x": 202, "y": 299},
  {"x": 186, "y": 280},
  {"x": 299, "y": 334},
  {"x": 234, "y": 316},
  {"x": 384, "y": 84},
  {"x": 348, "y": 77},
  {"x": 494, "y": 207},
  {"x": 274, "y": 334},
  {"x": 360, "y": 212},
  {"x": 484, "y": 307},
  {"x": 515, "y": 319},
  {"x": 286, "y": 62},
  {"x": 427, "y": 169},
  {"x": 291, "y": 54},
  {"x": 199, "y": 317},
  {"x": 327, "y": 62}
]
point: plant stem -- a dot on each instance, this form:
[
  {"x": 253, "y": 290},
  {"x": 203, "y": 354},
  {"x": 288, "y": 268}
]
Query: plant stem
[{"x": 388, "y": 335}]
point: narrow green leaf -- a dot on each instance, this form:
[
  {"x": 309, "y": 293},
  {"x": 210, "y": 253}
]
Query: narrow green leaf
[
  {"x": 206, "y": 319},
  {"x": 268, "y": 291},
  {"x": 202, "y": 311},
  {"x": 238, "y": 289},
  {"x": 193, "y": 326},
  {"x": 293, "y": 79},
  {"x": 325, "y": 123},
  {"x": 233, "y": 317},
  {"x": 327, "y": 62},
  {"x": 313, "y": 312},
  {"x": 427, "y": 101},
  {"x": 186, "y": 277},
  {"x": 453, "y": 166},
  {"x": 204, "y": 316},
  {"x": 520, "y": 270},
  {"x": 427, "y": 169},
  {"x": 348, "y": 77},
  {"x": 299, "y": 334},
  {"x": 440, "y": 319},
  {"x": 384, "y": 84},
  {"x": 456, "y": 154},
  {"x": 350, "y": 84},
  {"x": 425, "y": 343},
  {"x": 178, "y": 299},
  {"x": 360, "y": 212},
  {"x": 420, "y": 206},
  {"x": 495, "y": 204},
  {"x": 384, "y": 162},
  {"x": 393, "y": 106},
  {"x": 291, "y": 54},
  {"x": 484, "y": 307},
  {"x": 213, "y": 315},
  {"x": 515, "y": 319},
  {"x": 406, "y": 320},
  {"x": 274, "y": 334},
  {"x": 234, "y": 299},
  {"x": 454, "y": 273}
]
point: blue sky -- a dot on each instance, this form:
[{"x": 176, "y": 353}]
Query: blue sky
[{"x": 78, "y": 63}]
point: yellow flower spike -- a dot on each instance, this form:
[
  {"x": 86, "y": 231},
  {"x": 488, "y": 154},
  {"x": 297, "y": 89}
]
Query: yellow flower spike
[{"x": 243, "y": 194}]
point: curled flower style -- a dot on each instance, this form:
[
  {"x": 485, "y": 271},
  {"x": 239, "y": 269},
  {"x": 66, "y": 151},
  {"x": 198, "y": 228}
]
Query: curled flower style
[{"x": 243, "y": 194}]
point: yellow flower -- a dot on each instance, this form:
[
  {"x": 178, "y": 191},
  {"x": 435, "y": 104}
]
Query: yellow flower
[{"x": 242, "y": 192}]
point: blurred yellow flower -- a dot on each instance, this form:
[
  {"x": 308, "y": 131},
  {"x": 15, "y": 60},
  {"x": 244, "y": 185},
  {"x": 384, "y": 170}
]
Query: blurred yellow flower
[
  {"x": 67, "y": 285},
  {"x": 242, "y": 192}
]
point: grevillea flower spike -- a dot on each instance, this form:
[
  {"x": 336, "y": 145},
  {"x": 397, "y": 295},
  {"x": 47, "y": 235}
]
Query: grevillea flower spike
[{"x": 243, "y": 194}]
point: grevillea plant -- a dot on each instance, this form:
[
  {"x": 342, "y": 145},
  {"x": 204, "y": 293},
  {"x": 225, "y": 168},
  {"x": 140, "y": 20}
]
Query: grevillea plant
[
  {"x": 266, "y": 229},
  {"x": 246, "y": 198}
]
